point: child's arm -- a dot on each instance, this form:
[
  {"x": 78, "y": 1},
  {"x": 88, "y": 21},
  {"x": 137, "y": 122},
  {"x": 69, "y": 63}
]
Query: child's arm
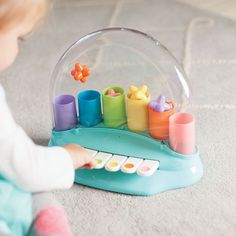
[{"x": 34, "y": 167}]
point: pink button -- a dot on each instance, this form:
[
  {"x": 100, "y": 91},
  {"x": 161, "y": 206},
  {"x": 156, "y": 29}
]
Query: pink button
[
  {"x": 145, "y": 168},
  {"x": 148, "y": 168}
]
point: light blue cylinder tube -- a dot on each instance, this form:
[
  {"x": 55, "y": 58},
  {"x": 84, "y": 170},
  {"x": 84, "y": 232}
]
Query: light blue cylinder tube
[{"x": 89, "y": 103}]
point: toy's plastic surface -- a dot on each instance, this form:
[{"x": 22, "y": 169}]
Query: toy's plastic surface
[
  {"x": 64, "y": 112},
  {"x": 89, "y": 108},
  {"x": 182, "y": 133},
  {"x": 114, "y": 114},
  {"x": 118, "y": 58}
]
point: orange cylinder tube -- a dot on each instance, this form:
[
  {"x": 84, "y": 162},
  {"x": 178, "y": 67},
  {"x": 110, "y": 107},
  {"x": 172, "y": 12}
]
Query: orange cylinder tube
[{"x": 158, "y": 122}]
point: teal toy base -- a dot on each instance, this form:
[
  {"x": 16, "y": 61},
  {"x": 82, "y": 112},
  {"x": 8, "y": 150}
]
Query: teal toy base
[{"x": 175, "y": 170}]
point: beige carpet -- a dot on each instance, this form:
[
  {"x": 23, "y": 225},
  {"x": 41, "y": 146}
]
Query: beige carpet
[
  {"x": 205, "y": 43},
  {"x": 225, "y": 8}
]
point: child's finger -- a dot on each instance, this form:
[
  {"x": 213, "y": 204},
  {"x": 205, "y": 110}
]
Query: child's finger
[
  {"x": 91, "y": 164},
  {"x": 86, "y": 166}
]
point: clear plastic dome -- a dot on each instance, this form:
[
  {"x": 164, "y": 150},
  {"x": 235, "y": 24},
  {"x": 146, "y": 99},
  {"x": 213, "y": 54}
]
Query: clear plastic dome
[
  {"x": 116, "y": 92},
  {"x": 121, "y": 57}
]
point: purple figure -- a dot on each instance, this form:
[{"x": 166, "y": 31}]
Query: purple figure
[{"x": 160, "y": 104}]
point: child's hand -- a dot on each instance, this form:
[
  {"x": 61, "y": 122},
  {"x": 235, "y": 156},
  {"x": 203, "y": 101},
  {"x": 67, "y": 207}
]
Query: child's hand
[{"x": 80, "y": 157}]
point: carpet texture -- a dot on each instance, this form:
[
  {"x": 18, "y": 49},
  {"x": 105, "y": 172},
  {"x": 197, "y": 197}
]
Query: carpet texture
[{"x": 205, "y": 44}]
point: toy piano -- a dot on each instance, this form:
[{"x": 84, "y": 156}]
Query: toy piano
[{"x": 120, "y": 94}]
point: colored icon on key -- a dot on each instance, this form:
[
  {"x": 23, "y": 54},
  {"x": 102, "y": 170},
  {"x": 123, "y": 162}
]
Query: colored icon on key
[
  {"x": 115, "y": 163},
  {"x": 101, "y": 159},
  {"x": 128, "y": 165},
  {"x": 98, "y": 161},
  {"x": 131, "y": 165},
  {"x": 148, "y": 168},
  {"x": 145, "y": 169}
]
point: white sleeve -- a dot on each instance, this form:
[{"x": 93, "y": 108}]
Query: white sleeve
[{"x": 33, "y": 167}]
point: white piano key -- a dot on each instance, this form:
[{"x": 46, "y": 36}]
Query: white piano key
[
  {"x": 131, "y": 165},
  {"x": 115, "y": 163},
  {"x": 91, "y": 152},
  {"x": 148, "y": 168},
  {"x": 101, "y": 159}
]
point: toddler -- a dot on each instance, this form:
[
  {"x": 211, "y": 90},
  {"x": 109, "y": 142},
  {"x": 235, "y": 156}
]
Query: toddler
[{"x": 26, "y": 169}]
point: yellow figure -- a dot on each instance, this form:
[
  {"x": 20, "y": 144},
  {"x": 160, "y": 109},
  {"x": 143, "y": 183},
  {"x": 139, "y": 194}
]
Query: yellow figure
[
  {"x": 137, "y": 102},
  {"x": 138, "y": 93}
]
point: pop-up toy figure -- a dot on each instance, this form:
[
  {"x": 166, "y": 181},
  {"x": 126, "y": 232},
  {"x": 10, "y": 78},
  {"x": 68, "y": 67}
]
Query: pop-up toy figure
[
  {"x": 160, "y": 104},
  {"x": 80, "y": 72},
  {"x": 111, "y": 92}
]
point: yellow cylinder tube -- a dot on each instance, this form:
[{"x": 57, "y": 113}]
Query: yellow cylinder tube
[{"x": 137, "y": 114}]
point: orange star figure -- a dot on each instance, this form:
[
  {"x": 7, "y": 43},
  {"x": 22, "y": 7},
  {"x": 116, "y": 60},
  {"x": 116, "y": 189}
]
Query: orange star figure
[{"x": 80, "y": 72}]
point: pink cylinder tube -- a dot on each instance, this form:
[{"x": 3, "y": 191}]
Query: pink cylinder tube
[{"x": 182, "y": 133}]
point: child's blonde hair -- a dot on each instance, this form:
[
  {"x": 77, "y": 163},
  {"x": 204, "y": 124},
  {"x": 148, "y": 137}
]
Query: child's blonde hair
[{"x": 14, "y": 11}]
